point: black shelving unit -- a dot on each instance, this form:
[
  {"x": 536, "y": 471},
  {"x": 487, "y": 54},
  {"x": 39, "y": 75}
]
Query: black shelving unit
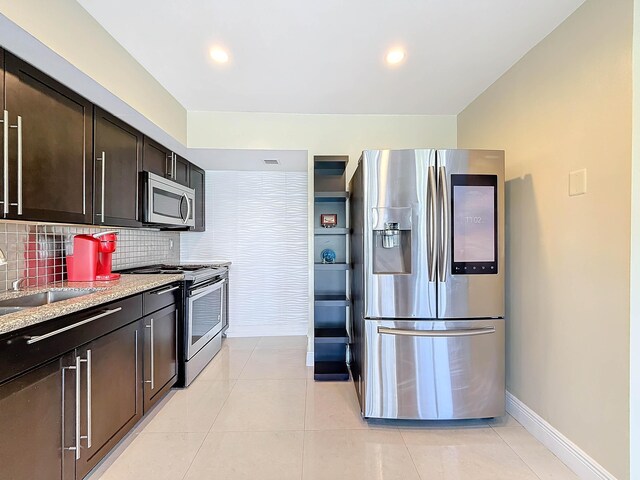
[
  {"x": 331, "y": 231},
  {"x": 331, "y": 266},
  {"x": 331, "y": 280},
  {"x": 331, "y": 196}
]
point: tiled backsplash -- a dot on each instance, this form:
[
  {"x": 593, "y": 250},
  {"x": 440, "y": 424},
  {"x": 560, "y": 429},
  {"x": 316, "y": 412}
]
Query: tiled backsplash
[{"x": 36, "y": 251}]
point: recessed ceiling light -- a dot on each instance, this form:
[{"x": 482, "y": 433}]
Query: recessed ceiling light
[
  {"x": 395, "y": 56},
  {"x": 219, "y": 55}
]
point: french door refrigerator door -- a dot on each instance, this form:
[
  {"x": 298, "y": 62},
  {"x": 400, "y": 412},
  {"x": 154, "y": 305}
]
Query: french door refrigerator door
[
  {"x": 399, "y": 233},
  {"x": 434, "y": 370},
  {"x": 470, "y": 206}
]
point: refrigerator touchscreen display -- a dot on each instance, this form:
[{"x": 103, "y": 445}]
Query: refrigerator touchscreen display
[{"x": 474, "y": 225}]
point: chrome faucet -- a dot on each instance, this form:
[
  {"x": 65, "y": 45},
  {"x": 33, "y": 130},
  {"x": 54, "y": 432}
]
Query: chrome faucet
[{"x": 17, "y": 283}]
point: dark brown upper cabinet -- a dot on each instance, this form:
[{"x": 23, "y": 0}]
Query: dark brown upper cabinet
[
  {"x": 156, "y": 158},
  {"x": 197, "y": 183},
  {"x": 162, "y": 161},
  {"x": 3, "y": 117},
  {"x": 118, "y": 161},
  {"x": 181, "y": 170},
  {"x": 49, "y": 139}
]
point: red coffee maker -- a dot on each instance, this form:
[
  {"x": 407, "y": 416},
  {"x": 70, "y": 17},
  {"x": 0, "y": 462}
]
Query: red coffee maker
[{"x": 92, "y": 258}]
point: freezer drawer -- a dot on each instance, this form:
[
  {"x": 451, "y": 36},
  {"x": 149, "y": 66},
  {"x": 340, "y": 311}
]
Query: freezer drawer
[{"x": 434, "y": 369}]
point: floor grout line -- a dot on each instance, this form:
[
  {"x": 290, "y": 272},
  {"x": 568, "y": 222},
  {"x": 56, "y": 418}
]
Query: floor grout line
[
  {"x": 518, "y": 455},
  {"x": 413, "y": 460},
  {"x": 304, "y": 425},
  {"x": 235, "y": 382},
  {"x": 186, "y": 472}
]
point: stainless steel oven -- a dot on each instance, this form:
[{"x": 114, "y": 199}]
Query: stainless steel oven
[
  {"x": 205, "y": 312},
  {"x": 167, "y": 202}
]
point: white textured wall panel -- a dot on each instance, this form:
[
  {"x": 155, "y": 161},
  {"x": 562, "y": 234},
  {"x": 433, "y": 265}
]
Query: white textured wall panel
[{"x": 258, "y": 221}]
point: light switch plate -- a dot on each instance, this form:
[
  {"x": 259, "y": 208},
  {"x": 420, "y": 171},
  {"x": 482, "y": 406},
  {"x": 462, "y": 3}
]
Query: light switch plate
[{"x": 578, "y": 182}]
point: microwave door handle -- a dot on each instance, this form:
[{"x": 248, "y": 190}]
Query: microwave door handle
[
  {"x": 188, "y": 208},
  {"x": 185, "y": 198}
]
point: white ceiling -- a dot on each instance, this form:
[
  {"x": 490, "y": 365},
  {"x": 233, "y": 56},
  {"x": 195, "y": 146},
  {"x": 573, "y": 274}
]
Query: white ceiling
[{"x": 327, "y": 56}]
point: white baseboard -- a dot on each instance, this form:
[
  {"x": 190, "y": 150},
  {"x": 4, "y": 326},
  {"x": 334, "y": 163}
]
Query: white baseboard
[
  {"x": 573, "y": 456},
  {"x": 309, "y": 359}
]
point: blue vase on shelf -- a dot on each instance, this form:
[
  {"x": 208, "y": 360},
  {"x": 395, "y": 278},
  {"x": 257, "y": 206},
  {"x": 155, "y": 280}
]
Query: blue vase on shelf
[{"x": 328, "y": 256}]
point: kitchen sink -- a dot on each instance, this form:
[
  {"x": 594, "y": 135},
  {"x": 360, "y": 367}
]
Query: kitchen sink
[
  {"x": 42, "y": 298},
  {"x": 8, "y": 310}
]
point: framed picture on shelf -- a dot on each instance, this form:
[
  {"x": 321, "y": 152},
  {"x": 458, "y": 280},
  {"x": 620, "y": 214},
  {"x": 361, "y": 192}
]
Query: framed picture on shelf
[{"x": 328, "y": 220}]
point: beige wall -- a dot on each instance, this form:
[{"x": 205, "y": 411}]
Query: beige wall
[
  {"x": 565, "y": 106},
  {"x": 634, "y": 400},
  {"x": 66, "y": 28},
  {"x": 319, "y": 134}
]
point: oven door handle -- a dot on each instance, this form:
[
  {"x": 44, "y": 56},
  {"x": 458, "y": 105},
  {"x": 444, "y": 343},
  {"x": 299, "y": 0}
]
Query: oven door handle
[{"x": 199, "y": 292}]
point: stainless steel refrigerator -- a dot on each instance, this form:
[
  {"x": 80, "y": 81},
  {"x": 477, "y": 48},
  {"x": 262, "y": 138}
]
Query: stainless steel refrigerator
[{"x": 427, "y": 286}]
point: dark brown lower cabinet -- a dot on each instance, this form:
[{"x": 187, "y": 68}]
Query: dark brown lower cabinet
[
  {"x": 34, "y": 434},
  {"x": 111, "y": 398},
  {"x": 160, "y": 359},
  {"x": 72, "y": 388}
]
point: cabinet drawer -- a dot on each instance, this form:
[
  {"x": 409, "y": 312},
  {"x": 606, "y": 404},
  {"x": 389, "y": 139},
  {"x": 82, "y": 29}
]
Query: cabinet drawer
[
  {"x": 434, "y": 370},
  {"x": 162, "y": 297},
  {"x": 25, "y": 349}
]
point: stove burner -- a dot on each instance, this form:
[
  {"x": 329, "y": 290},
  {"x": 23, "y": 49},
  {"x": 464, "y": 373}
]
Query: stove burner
[
  {"x": 184, "y": 268},
  {"x": 147, "y": 271},
  {"x": 159, "y": 269}
]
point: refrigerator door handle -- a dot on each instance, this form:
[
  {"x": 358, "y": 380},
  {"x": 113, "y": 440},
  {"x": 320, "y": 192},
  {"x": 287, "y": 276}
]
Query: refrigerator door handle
[
  {"x": 432, "y": 201},
  {"x": 463, "y": 332},
  {"x": 444, "y": 220}
]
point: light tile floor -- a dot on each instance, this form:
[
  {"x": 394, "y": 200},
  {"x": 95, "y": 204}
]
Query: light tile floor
[{"x": 256, "y": 413}]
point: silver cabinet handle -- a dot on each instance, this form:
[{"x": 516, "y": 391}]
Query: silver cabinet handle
[
  {"x": 76, "y": 367},
  {"x": 104, "y": 168},
  {"x": 152, "y": 368},
  {"x": 431, "y": 212},
  {"x": 89, "y": 402},
  {"x": 168, "y": 172},
  {"x": 19, "y": 165},
  {"x": 137, "y": 365},
  {"x": 464, "y": 332},
  {"x": 166, "y": 290},
  {"x": 444, "y": 216},
  {"x": 18, "y": 126},
  {"x": 39, "y": 338},
  {"x": 5, "y": 156},
  {"x": 175, "y": 166}
]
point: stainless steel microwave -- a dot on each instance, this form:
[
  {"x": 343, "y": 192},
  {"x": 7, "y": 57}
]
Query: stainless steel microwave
[{"x": 167, "y": 203}]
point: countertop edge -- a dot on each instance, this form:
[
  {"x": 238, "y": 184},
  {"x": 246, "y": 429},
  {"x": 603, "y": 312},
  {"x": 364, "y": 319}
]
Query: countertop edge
[{"x": 126, "y": 286}]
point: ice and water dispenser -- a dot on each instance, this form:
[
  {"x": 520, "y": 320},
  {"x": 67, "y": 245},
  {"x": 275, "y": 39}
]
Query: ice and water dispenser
[{"x": 391, "y": 240}]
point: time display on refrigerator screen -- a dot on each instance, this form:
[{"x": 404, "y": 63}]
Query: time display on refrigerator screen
[{"x": 474, "y": 224}]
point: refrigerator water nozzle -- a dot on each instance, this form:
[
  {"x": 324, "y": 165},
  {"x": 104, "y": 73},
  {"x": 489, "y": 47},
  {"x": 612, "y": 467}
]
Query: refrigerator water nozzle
[{"x": 391, "y": 235}]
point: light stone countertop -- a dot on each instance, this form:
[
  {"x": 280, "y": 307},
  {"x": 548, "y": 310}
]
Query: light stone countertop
[
  {"x": 213, "y": 263},
  {"x": 105, "y": 292},
  {"x": 220, "y": 263}
]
